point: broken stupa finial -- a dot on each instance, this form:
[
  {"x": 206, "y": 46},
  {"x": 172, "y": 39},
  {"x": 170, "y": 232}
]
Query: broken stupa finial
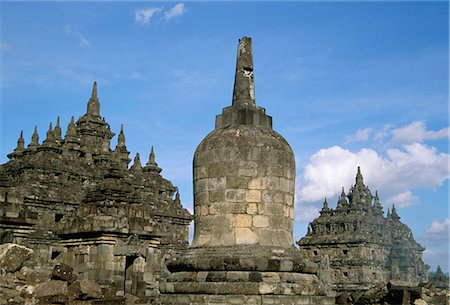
[{"x": 244, "y": 83}]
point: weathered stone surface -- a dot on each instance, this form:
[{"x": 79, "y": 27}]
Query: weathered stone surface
[
  {"x": 33, "y": 276},
  {"x": 63, "y": 272},
  {"x": 12, "y": 256},
  {"x": 51, "y": 288},
  {"x": 84, "y": 289}
]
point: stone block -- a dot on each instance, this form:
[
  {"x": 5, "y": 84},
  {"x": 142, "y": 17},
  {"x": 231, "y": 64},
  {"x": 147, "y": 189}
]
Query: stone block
[
  {"x": 260, "y": 221},
  {"x": 252, "y": 208},
  {"x": 273, "y": 183},
  {"x": 253, "y": 196},
  {"x": 245, "y": 236},
  {"x": 216, "y": 184},
  {"x": 237, "y": 183},
  {"x": 84, "y": 289},
  {"x": 242, "y": 221},
  {"x": 63, "y": 272},
  {"x": 270, "y": 277},
  {"x": 51, "y": 288},
  {"x": 257, "y": 184},
  {"x": 12, "y": 256},
  {"x": 267, "y": 288},
  {"x": 216, "y": 196},
  {"x": 234, "y": 195}
]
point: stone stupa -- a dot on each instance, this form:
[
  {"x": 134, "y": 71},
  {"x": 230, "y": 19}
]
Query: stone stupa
[{"x": 244, "y": 180}]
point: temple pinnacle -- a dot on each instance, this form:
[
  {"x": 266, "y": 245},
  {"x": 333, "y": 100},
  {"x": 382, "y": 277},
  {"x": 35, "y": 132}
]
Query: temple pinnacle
[
  {"x": 244, "y": 84},
  {"x": 20, "y": 142},
  {"x": 152, "y": 156},
  {"x": 136, "y": 163},
  {"x": 94, "y": 90},
  {"x": 50, "y": 135},
  {"x": 34, "y": 138},
  {"x": 151, "y": 165},
  {"x": 57, "y": 130},
  {"x": 93, "y": 107},
  {"x": 121, "y": 138},
  {"x": 359, "y": 177}
]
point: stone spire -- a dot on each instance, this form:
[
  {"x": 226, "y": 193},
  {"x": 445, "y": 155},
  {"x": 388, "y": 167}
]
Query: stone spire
[
  {"x": 342, "y": 202},
  {"x": 151, "y": 165},
  {"x": 394, "y": 214},
  {"x": 359, "y": 177},
  {"x": 57, "y": 131},
  {"x": 34, "y": 138},
  {"x": 377, "y": 207},
  {"x": 121, "y": 138},
  {"x": 243, "y": 110},
  {"x": 93, "y": 107},
  {"x": 20, "y": 142},
  {"x": 244, "y": 84},
  {"x": 50, "y": 138},
  {"x": 136, "y": 163},
  {"x": 325, "y": 210},
  {"x": 71, "y": 128}
]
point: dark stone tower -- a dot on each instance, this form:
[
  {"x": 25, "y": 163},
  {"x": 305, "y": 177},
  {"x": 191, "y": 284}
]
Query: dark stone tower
[{"x": 244, "y": 179}]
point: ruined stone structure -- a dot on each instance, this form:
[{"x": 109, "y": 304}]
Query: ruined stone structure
[
  {"x": 243, "y": 251},
  {"x": 73, "y": 200},
  {"x": 358, "y": 247}
]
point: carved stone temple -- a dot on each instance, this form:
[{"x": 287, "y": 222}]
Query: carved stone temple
[
  {"x": 243, "y": 250},
  {"x": 73, "y": 200},
  {"x": 362, "y": 247}
]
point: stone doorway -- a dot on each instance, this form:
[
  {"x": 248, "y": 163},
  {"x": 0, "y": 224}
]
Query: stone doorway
[{"x": 128, "y": 280}]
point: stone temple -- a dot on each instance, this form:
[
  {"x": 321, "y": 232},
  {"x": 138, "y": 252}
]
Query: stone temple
[
  {"x": 80, "y": 226},
  {"x": 361, "y": 246},
  {"x": 72, "y": 199}
]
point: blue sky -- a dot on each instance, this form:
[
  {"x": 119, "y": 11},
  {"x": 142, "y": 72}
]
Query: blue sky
[{"x": 347, "y": 84}]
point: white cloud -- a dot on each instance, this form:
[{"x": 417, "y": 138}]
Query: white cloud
[
  {"x": 395, "y": 174},
  {"x": 402, "y": 200},
  {"x": 144, "y": 15},
  {"x": 360, "y": 135},
  {"x": 417, "y": 132},
  {"x": 438, "y": 227},
  {"x": 175, "y": 11},
  {"x": 83, "y": 41}
]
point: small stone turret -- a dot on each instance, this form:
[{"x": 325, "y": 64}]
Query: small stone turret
[
  {"x": 136, "y": 163},
  {"x": 34, "y": 138},
  {"x": 151, "y": 165},
  {"x": 93, "y": 107},
  {"x": 20, "y": 143},
  {"x": 57, "y": 132},
  {"x": 50, "y": 139},
  {"x": 342, "y": 200},
  {"x": 325, "y": 210},
  {"x": 377, "y": 207}
]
